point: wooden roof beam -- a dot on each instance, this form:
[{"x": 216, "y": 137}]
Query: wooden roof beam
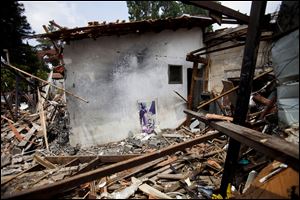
[{"x": 218, "y": 8}]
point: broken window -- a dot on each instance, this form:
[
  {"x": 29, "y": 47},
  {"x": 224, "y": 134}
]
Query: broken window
[{"x": 175, "y": 74}]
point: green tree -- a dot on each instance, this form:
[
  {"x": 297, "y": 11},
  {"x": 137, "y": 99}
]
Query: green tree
[
  {"x": 170, "y": 9},
  {"x": 143, "y": 10},
  {"x": 140, "y": 10},
  {"x": 14, "y": 27},
  {"x": 193, "y": 10}
]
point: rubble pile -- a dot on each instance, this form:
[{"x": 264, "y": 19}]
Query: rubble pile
[
  {"x": 35, "y": 151},
  {"x": 195, "y": 172}
]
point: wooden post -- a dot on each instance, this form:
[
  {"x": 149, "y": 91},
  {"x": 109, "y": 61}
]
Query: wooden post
[
  {"x": 191, "y": 95},
  {"x": 42, "y": 118},
  {"x": 17, "y": 97},
  {"x": 246, "y": 78},
  {"x": 45, "y": 82}
]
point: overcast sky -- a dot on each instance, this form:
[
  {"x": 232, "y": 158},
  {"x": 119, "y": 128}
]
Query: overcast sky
[{"x": 78, "y": 13}]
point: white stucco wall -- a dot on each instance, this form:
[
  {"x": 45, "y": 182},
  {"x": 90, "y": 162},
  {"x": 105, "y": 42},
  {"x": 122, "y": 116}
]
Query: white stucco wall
[
  {"x": 227, "y": 63},
  {"x": 114, "y": 72}
]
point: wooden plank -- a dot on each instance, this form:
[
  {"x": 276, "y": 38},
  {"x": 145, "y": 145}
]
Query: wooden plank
[
  {"x": 11, "y": 134},
  {"x": 135, "y": 170},
  {"x": 19, "y": 174},
  {"x": 174, "y": 135},
  {"x": 27, "y": 137},
  {"x": 83, "y": 159},
  {"x": 229, "y": 91},
  {"x": 206, "y": 155},
  {"x": 171, "y": 176},
  {"x": 166, "y": 162},
  {"x": 275, "y": 147},
  {"x": 153, "y": 192},
  {"x": 15, "y": 131},
  {"x": 168, "y": 170},
  {"x": 220, "y": 117},
  {"x": 245, "y": 87},
  {"x": 117, "y": 158},
  {"x": 225, "y": 35},
  {"x": 196, "y": 58},
  {"x": 8, "y": 65},
  {"x": 218, "y": 8},
  {"x": 42, "y": 119},
  {"x": 3, "y": 117},
  {"x": 57, "y": 187},
  {"x": 155, "y": 172},
  {"x": 191, "y": 94},
  {"x": 44, "y": 162},
  {"x": 55, "y": 170},
  {"x": 280, "y": 186},
  {"x": 91, "y": 165}
]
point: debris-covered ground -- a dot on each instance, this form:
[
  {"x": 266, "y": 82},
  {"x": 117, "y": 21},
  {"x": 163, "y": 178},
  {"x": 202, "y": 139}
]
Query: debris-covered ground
[{"x": 195, "y": 172}]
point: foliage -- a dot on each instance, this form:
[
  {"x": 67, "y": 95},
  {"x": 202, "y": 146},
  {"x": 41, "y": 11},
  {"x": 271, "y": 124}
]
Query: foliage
[
  {"x": 14, "y": 27},
  {"x": 143, "y": 10}
]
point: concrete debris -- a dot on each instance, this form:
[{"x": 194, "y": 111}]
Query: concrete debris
[
  {"x": 115, "y": 187},
  {"x": 193, "y": 173},
  {"x": 35, "y": 150}
]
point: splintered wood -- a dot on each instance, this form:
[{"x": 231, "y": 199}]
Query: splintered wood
[{"x": 153, "y": 179}]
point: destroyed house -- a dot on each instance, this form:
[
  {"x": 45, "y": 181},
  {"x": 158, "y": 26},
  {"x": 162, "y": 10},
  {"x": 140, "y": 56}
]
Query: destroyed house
[
  {"x": 162, "y": 109},
  {"x": 119, "y": 67}
]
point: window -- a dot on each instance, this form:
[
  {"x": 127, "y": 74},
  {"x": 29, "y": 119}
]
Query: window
[{"x": 175, "y": 74}]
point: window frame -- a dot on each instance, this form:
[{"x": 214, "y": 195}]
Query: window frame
[{"x": 177, "y": 76}]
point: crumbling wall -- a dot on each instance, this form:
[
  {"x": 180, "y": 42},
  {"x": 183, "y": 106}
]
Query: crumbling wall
[
  {"x": 114, "y": 72},
  {"x": 227, "y": 63}
]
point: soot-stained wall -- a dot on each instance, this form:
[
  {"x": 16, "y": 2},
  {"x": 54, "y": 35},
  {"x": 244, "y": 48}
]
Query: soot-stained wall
[{"x": 114, "y": 72}]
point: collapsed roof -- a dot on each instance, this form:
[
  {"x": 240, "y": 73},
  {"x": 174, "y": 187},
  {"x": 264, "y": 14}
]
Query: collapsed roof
[{"x": 95, "y": 29}]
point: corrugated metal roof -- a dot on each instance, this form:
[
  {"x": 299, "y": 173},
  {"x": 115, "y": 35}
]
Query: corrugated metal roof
[{"x": 96, "y": 29}]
